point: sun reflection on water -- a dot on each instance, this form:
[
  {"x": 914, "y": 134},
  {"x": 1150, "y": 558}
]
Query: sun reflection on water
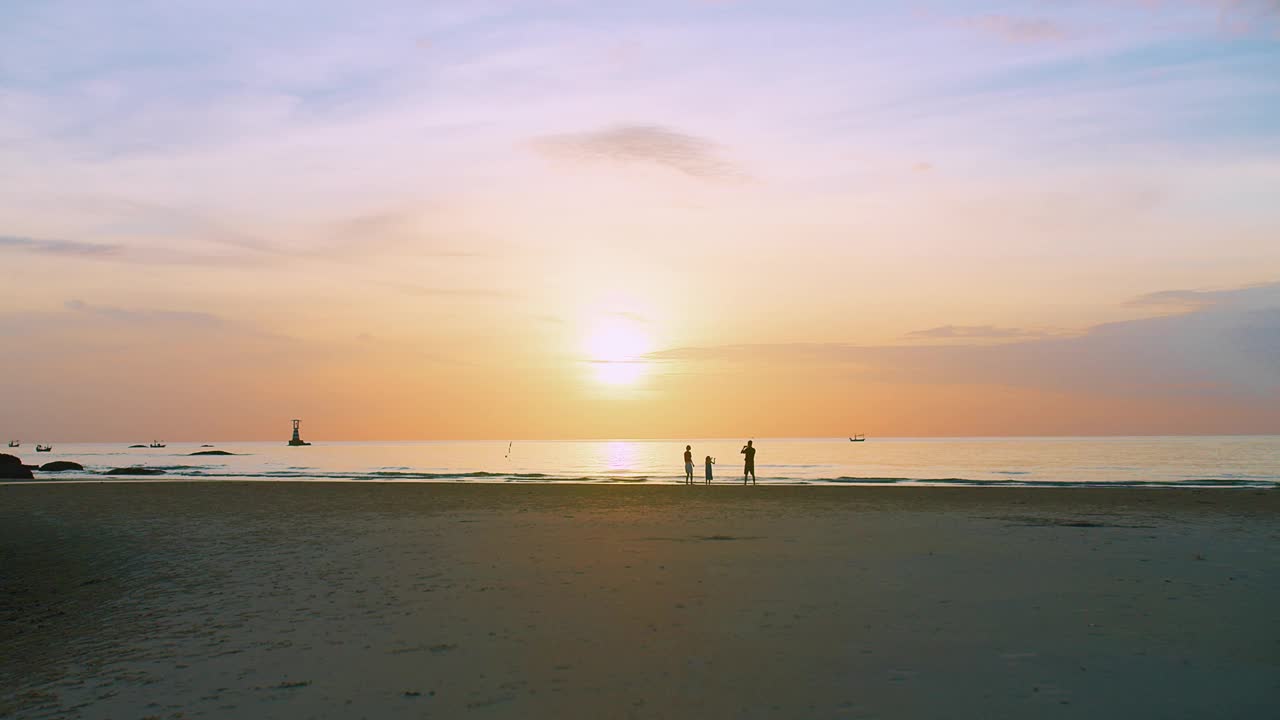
[{"x": 620, "y": 456}]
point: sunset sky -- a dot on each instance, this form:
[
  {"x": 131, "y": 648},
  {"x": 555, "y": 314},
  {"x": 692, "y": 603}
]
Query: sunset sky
[{"x": 692, "y": 218}]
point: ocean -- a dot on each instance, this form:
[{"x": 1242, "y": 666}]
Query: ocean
[{"x": 1235, "y": 461}]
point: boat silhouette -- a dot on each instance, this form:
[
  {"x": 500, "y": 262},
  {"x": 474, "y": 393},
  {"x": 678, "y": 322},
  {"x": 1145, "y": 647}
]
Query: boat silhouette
[
  {"x": 43, "y": 448},
  {"x": 14, "y": 443},
  {"x": 858, "y": 438},
  {"x": 156, "y": 444}
]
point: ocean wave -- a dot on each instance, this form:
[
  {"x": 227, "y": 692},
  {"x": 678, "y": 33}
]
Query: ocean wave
[{"x": 222, "y": 473}]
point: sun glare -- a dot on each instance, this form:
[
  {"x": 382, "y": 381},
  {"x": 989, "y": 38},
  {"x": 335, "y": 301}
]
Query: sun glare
[
  {"x": 618, "y": 373},
  {"x": 615, "y": 348}
]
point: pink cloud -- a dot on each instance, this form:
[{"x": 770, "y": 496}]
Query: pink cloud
[{"x": 1019, "y": 30}]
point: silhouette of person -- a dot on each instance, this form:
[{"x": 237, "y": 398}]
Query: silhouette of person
[
  {"x": 710, "y": 461},
  {"x": 688, "y": 464},
  {"x": 748, "y": 463}
]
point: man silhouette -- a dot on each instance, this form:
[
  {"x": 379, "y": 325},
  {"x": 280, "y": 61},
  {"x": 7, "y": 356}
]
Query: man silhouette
[
  {"x": 688, "y": 464},
  {"x": 749, "y": 463}
]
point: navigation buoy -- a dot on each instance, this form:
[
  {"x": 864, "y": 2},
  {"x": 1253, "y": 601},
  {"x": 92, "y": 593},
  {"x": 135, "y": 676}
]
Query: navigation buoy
[{"x": 297, "y": 440}]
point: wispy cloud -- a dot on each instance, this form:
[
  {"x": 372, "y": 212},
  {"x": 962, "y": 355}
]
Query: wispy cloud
[
  {"x": 974, "y": 332},
  {"x": 1244, "y": 17},
  {"x": 77, "y": 328},
  {"x": 642, "y": 144},
  {"x": 630, "y": 316},
  {"x": 1174, "y": 299},
  {"x": 450, "y": 292},
  {"x": 1226, "y": 348},
  {"x": 384, "y": 230},
  {"x": 121, "y": 253},
  {"x": 57, "y": 247},
  {"x": 1251, "y": 297},
  {"x": 145, "y": 317},
  {"x": 1018, "y": 29}
]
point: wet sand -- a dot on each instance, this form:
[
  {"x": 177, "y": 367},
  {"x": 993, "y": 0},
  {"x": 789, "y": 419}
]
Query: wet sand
[{"x": 344, "y": 600}]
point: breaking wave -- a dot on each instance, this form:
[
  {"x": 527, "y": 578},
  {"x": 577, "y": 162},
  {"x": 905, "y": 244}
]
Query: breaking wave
[{"x": 216, "y": 473}]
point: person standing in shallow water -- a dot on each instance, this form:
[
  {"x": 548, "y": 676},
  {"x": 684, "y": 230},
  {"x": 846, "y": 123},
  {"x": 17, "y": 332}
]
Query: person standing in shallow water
[
  {"x": 710, "y": 461},
  {"x": 748, "y": 463},
  {"x": 688, "y": 464}
]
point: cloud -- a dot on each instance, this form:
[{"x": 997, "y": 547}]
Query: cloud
[
  {"x": 974, "y": 331},
  {"x": 80, "y": 327},
  {"x": 425, "y": 291},
  {"x": 78, "y": 331},
  {"x": 145, "y": 317},
  {"x": 378, "y": 232},
  {"x": 57, "y": 247},
  {"x": 1017, "y": 29},
  {"x": 642, "y": 144},
  {"x": 1251, "y": 297},
  {"x": 1176, "y": 299},
  {"x": 134, "y": 254},
  {"x": 1245, "y": 17},
  {"x": 1229, "y": 347}
]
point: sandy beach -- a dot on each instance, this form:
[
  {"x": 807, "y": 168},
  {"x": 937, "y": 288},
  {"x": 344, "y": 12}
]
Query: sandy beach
[{"x": 303, "y": 600}]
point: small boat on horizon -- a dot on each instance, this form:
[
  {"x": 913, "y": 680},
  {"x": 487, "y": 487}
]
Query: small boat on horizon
[
  {"x": 14, "y": 443},
  {"x": 156, "y": 444},
  {"x": 43, "y": 448},
  {"x": 858, "y": 438}
]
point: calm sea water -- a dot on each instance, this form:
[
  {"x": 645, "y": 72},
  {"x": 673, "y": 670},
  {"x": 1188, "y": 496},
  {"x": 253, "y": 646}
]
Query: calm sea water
[{"x": 1245, "y": 461}]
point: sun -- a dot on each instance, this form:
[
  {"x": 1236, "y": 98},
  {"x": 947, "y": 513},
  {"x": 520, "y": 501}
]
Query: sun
[{"x": 615, "y": 348}]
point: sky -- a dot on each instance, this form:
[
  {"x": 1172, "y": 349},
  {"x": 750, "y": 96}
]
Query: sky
[{"x": 681, "y": 218}]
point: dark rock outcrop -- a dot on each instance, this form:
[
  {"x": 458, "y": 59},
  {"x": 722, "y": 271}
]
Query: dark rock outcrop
[
  {"x": 212, "y": 452},
  {"x": 135, "y": 471},
  {"x": 60, "y": 465},
  {"x": 11, "y": 468},
  {"x": 134, "y": 446}
]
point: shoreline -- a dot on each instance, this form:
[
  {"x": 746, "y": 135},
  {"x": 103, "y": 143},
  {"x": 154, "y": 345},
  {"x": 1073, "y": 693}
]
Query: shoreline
[
  {"x": 497, "y": 479},
  {"x": 500, "y": 497}
]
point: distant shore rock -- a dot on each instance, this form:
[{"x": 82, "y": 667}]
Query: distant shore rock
[
  {"x": 135, "y": 471},
  {"x": 212, "y": 452},
  {"x": 60, "y": 465},
  {"x": 206, "y": 446},
  {"x": 11, "y": 468},
  {"x": 134, "y": 446}
]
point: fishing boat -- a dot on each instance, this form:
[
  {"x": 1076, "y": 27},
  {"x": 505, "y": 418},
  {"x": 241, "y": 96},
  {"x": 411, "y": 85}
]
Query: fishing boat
[
  {"x": 43, "y": 448},
  {"x": 858, "y": 438},
  {"x": 14, "y": 443},
  {"x": 156, "y": 444}
]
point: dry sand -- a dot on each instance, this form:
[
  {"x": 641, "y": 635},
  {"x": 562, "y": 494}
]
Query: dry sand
[{"x": 275, "y": 600}]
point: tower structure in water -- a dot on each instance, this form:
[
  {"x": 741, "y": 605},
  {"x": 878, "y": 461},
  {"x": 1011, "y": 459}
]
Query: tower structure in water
[{"x": 297, "y": 440}]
